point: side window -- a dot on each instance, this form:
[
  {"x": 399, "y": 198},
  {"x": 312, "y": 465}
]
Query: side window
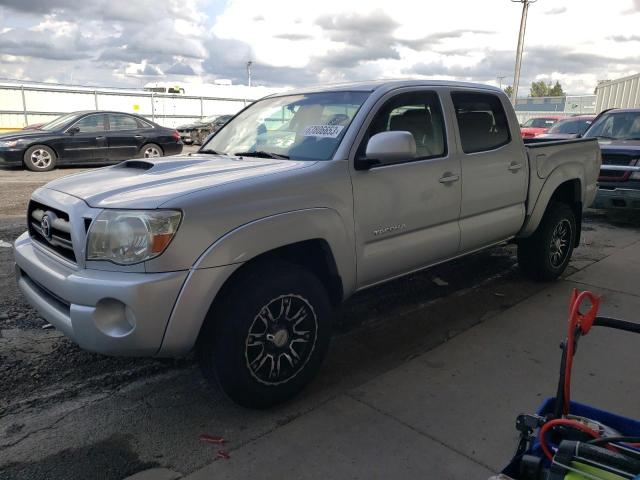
[
  {"x": 122, "y": 122},
  {"x": 482, "y": 121},
  {"x": 91, "y": 124},
  {"x": 418, "y": 113}
]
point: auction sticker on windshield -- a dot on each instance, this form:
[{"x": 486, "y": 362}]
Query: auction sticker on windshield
[{"x": 325, "y": 131}]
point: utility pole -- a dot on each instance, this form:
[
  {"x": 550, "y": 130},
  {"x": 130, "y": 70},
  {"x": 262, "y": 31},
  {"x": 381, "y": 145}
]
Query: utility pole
[
  {"x": 500, "y": 78},
  {"x": 523, "y": 26},
  {"x": 249, "y": 63}
]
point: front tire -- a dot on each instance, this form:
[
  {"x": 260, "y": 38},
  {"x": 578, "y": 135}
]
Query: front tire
[
  {"x": 546, "y": 254},
  {"x": 267, "y": 336},
  {"x": 40, "y": 158}
]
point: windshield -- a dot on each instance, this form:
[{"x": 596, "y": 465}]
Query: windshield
[
  {"x": 301, "y": 127},
  {"x": 59, "y": 122},
  {"x": 571, "y": 126},
  {"x": 616, "y": 126},
  {"x": 539, "y": 122}
]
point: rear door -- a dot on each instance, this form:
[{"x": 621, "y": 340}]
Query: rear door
[
  {"x": 494, "y": 170},
  {"x": 125, "y": 137},
  {"x": 89, "y": 143},
  {"x": 407, "y": 212}
]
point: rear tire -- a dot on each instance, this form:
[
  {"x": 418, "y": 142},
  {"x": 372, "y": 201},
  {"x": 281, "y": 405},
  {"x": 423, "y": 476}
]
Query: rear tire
[
  {"x": 40, "y": 158},
  {"x": 546, "y": 254},
  {"x": 265, "y": 339},
  {"x": 150, "y": 150}
]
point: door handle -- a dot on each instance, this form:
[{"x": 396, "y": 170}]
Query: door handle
[
  {"x": 137, "y": 137},
  {"x": 100, "y": 138},
  {"x": 449, "y": 178},
  {"x": 514, "y": 167}
]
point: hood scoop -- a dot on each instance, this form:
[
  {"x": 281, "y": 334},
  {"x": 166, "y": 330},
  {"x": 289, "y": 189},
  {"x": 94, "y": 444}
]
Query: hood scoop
[{"x": 137, "y": 164}]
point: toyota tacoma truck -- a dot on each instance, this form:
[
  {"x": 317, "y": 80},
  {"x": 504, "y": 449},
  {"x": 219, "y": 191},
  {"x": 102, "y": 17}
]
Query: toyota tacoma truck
[{"x": 242, "y": 250}]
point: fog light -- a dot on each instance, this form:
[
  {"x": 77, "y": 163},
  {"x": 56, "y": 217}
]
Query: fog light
[{"x": 114, "y": 318}]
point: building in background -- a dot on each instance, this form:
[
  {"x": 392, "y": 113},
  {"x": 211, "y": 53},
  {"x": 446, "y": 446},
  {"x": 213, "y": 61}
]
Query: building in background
[
  {"x": 531, "y": 107},
  {"x": 621, "y": 93}
]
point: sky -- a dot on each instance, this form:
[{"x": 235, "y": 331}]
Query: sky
[{"x": 301, "y": 42}]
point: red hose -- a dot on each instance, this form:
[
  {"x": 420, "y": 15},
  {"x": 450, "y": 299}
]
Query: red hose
[
  {"x": 567, "y": 423},
  {"x": 578, "y": 322}
]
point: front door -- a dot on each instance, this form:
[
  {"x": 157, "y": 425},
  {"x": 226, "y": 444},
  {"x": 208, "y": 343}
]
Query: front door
[
  {"x": 494, "y": 171},
  {"x": 89, "y": 142},
  {"x": 406, "y": 214}
]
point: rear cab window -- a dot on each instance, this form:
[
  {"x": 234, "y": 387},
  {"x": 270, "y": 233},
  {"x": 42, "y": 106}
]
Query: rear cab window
[{"x": 482, "y": 121}]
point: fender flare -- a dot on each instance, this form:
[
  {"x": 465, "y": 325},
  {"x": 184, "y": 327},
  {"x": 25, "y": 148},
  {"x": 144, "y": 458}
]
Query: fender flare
[
  {"x": 268, "y": 233},
  {"x": 564, "y": 173}
]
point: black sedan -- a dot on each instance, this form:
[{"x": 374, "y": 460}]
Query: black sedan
[{"x": 91, "y": 137}]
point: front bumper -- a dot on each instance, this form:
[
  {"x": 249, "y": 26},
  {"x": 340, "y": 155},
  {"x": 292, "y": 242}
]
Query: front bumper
[
  {"x": 617, "y": 198},
  {"x": 116, "y": 313},
  {"x": 11, "y": 156}
]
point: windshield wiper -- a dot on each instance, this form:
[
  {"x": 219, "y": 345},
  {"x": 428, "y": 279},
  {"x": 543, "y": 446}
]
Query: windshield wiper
[
  {"x": 211, "y": 152},
  {"x": 262, "y": 154}
]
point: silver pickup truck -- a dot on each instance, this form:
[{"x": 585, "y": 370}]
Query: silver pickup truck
[{"x": 242, "y": 250}]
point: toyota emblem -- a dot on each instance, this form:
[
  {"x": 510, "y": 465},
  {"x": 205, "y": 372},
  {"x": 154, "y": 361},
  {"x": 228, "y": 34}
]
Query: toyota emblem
[{"x": 45, "y": 224}]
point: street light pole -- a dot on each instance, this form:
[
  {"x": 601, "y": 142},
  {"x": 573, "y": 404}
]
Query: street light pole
[
  {"x": 249, "y": 63},
  {"x": 523, "y": 26}
]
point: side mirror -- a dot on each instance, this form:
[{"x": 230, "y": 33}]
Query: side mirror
[
  {"x": 387, "y": 147},
  {"x": 73, "y": 130}
]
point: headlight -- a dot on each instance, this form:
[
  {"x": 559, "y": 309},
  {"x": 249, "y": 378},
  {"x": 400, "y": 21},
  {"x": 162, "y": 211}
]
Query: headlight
[
  {"x": 126, "y": 237},
  {"x": 9, "y": 143}
]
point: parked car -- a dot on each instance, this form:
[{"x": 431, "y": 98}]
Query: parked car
[
  {"x": 91, "y": 137},
  {"x": 196, "y": 133},
  {"x": 535, "y": 126},
  {"x": 301, "y": 200},
  {"x": 618, "y": 132},
  {"x": 572, "y": 127}
]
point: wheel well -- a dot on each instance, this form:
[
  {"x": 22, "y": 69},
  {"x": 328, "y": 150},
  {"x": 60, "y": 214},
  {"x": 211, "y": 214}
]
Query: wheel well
[
  {"x": 314, "y": 255},
  {"x": 144, "y": 145},
  {"x": 570, "y": 192}
]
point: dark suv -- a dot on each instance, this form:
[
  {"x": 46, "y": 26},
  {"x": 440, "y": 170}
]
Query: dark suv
[{"x": 618, "y": 132}]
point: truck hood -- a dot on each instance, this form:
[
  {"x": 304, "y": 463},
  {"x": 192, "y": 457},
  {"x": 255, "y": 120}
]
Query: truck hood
[
  {"x": 148, "y": 183},
  {"x": 626, "y": 147}
]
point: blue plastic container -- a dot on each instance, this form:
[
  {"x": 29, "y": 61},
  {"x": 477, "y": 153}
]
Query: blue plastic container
[{"x": 626, "y": 426}]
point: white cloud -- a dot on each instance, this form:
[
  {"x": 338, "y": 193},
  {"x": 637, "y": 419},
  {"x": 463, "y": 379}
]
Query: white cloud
[{"x": 300, "y": 41}]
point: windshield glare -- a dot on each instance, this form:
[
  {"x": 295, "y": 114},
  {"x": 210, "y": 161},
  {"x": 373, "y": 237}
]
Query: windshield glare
[
  {"x": 301, "y": 127},
  {"x": 618, "y": 126},
  {"x": 59, "y": 122},
  {"x": 570, "y": 126}
]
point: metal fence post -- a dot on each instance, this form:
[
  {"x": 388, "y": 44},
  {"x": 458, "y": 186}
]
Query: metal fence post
[
  {"x": 24, "y": 106},
  {"x": 153, "y": 108},
  {"x": 201, "y": 108},
  {"x": 95, "y": 98}
]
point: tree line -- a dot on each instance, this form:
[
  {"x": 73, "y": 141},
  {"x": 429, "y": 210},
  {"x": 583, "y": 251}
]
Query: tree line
[{"x": 541, "y": 89}]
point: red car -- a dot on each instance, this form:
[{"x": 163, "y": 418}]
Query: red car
[{"x": 535, "y": 126}]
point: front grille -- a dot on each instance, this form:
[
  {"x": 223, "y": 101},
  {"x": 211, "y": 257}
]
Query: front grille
[
  {"x": 53, "y": 232},
  {"x": 615, "y": 175}
]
